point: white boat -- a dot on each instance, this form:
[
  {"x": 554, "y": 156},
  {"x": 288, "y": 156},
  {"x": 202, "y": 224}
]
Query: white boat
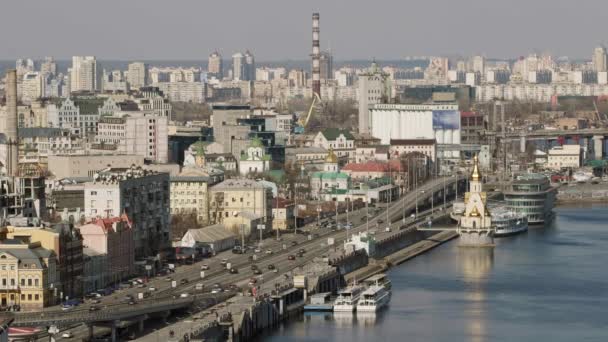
[
  {"x": 508, "y": 222},
  {"x": 348, "y": 298},
  {"x": 582, "y": 176},
  {"x": 379, "y": 279},
  {"x": 374, "y": 299}
]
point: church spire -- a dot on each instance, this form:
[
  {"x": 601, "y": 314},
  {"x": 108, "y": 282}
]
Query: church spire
[{"x": 476, "y": 175}]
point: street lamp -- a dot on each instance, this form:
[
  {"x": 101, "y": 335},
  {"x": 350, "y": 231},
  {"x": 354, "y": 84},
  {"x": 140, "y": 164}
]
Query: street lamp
[{"x": 319, "y": 217}]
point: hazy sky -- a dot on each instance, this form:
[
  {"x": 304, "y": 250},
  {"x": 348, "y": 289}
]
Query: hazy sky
[{"x": 281, "y": 29}]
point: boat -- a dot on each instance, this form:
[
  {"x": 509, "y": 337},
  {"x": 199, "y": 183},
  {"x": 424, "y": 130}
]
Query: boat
[
  {"x": 508, "y": 222},
  {"x": 379, "y": 279},
  {"x": 320, "y": 302},
  {"x": 348, "y": 298},
  {"x": 582, "y": 176},
  {"x": 531, "y": 195},
  {"x": 373, "y": 299}
]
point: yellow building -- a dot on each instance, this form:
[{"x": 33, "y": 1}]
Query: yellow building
[
  {"x": 28, "y": 275},
  {"x": 189, "y": 194}
]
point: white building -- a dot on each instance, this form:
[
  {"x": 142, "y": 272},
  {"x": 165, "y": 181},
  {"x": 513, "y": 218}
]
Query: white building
[
  {"x": 194, "y": 92},
  {"x": 405, "y": 146},
  {"x": 599, "y": 59},
  {"x": 255, "y": 160},
  {"x": 32, "y": 87},
  {"x": 83, "y": 74},
  {"x": 373, "y": 88},
  {"x": 341, "y": 141},
  {"x": 565, "y": 156},
  {"x": 439, "y": 121},
  {"x": 143, "y": 196},
  {"x": 80, "y": 114},
  {"x": 137, "y": 75},
  {"x": 135, "y": 134}
]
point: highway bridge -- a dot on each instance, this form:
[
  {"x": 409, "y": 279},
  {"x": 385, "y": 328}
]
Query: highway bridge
[{"x": 167, "y": 298}]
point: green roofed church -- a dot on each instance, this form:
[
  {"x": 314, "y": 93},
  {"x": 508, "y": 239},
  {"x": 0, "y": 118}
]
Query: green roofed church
[{"x": 330, "y": 179}]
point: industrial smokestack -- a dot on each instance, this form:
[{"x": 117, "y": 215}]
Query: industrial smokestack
[
  {"x": 12, "y": 138},
  {"x": 316, "y": 54}
]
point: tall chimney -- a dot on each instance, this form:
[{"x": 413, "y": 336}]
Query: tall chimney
[
  {"x": 12, "y": 138},
  {"x": 316, "y": 53}
]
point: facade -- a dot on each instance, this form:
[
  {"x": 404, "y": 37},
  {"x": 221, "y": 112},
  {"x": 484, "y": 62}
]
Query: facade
[
  {"x": 65, "y": 242},
  {"x": 341, "y": 141},
  {"x": 565, "y": 156},
  {"x": 475, "y": 226},
  {"x": 374, "y": 88},
  {"x": 194, "y": 92},
  {"x": 111, "y": 238},
  {"x": 28, "y": 275},
  {"x": 137, "y": 75},
  {"x": 215, "y": 237},
  {"x": 32, "y": 87},
  {"x": 232, "y": 197},
  {"x": 473, "y": 127},
  {"x": 405, "y": 146},
  {"x": 80, "y": 114},
  {"x": 226, "y": 130},
  {"x": 599, "y": 59},
  {"x": 371, "y": 152},
  {"x": 143, "y": 196},
  {"x": 256, "y": 160},
  {"x": 439, "y": 121},
  {"x": 83, "y": 74},
  {"x": 305, "y": 155},
  {"x": 189, "y": 194},
  {"x": 135, "y": 134}
]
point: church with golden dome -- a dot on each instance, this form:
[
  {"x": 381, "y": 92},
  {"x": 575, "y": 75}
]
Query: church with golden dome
[
  {"x": 475, "y": 226},
  {"x": 330, "y": 180}
]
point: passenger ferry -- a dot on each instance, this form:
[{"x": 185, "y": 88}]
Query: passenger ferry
[
  {"x": 508, "y": 222},
  {"x": 373, "y": 299},
  {"x": 348, "y": 298},
  {"x": 379, "y": 279}
]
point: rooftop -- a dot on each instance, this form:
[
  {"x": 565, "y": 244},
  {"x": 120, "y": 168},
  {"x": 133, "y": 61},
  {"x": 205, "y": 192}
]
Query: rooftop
[{"x": 334, "y": 133}]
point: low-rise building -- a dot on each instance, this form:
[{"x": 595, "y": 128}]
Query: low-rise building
[
  {"x": 28, "y": 275},
  {"x": 405, "y": 146},
  {"x": 341, "y": 141},
  {"x": 282, "y": 214},
  {"x": 565, "y": 156},
  {"x": 189, "y": 194},
  {"x": 367, "y": 153},
  {"x": 330, "y": 180},
  {"x": 305, "y": 155},
  {"x": 214, "y": 237},
  {"x": 70, "y": 166},
  {"x": 255, "y": 160}
]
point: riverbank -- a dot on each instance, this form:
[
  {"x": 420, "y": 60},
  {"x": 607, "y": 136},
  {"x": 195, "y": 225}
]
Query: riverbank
[{"x": 582, "y": 192}]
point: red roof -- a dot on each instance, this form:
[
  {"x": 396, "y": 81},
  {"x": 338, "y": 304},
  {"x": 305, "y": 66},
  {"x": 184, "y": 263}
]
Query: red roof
[
  {"x": 108, "y": 223},
  {"x": 469, "y": 114}
]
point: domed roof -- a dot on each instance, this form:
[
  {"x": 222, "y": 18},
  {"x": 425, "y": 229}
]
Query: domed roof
[{"x": 331, "y": 157}]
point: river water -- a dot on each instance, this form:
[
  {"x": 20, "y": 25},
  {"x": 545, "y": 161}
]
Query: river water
[{"x": 549, "y": 284}]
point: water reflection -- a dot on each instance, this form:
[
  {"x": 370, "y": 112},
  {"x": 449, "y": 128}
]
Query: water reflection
[
  {"x": 476, "y": 265},
  {"x": 343, "y": 319}
]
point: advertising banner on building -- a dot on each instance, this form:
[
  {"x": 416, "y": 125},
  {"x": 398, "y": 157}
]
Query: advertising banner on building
[{"x": 446, "y": 119}]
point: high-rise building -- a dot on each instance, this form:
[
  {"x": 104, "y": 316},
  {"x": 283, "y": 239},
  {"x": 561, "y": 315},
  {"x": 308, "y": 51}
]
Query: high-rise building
[
  {"x": 373, "y": 88},
  {"x": 137, "y": 75},
  {"x": 48, "y": 66},
  {"x": 215, "y": 65},
  {"x": 249, "y": 67},
  {"x": 32, "y": 87},
  {"x": 326, "y": 62},
  {"x": 478, "y": 64},
  {"x": 238, "y": 66},
  {"x": 599, "y": 59},
  {"x": 83, "y": 75},
  {"x": 24, "y": 66}
]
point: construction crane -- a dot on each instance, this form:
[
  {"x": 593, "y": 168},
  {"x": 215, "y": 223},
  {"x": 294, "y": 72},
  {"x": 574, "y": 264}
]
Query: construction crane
[{"x": 303, "y": 121}]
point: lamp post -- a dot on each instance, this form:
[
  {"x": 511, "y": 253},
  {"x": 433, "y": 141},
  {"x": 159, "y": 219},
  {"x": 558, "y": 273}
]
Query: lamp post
[{"x": 319, "y": 217}]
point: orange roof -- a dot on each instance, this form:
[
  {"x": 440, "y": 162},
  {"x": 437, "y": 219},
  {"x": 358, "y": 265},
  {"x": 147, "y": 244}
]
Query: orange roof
[
  {"x": 108, "y": 223},
  {"x": 374, "y": 166}
]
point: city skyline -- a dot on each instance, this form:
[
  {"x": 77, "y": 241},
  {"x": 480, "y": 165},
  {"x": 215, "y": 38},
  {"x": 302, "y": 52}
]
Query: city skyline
[{"x": 348, "y": 28}]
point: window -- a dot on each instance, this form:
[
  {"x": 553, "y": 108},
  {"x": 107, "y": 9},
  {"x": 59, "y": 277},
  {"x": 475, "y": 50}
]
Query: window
[
  {"x": 29, "y": 282},
  {"x": 12, "y": 281},
  {"x": 36, "y": 297},
  {"x": 22, "y": 282},
  {"x": 3, "y": 281},
  {"x": 22, "y": 297},
  {"x": 36, "y": 282},
  {"x": 29, "y": 297}
]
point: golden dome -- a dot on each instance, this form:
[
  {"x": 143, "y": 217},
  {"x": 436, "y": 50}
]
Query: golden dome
[
  {"x": 476, "y": 175},
  {"x": 331, "y": 157}
]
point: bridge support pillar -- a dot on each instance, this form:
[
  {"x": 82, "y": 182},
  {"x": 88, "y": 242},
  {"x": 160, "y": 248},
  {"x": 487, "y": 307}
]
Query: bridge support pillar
[
  {"x": 140, "y": 325},
  {"x": 90, "y": 328},
  {"x": 598, "y": 147},
  {"x": 114, "y": 332}
]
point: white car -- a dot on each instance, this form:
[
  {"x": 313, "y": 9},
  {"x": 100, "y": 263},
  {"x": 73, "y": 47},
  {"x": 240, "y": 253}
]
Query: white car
[
  {"x": 204, "y": 267},
  {"x": 183, "y": 295},
  {"x": 257, "y": 250},
  {"x": 67, "y": 334},
  {"x": 152, "y": 288},
  {"x": 216, "y": 290}
]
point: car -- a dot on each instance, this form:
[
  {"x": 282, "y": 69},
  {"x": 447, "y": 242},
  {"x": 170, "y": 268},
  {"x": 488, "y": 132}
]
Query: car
[
  {"x": 141, "y": 286},
  {"x": 216, "y": 290},
  {"x": 95, "y": 301},
  {"x": 300, "y": 255},
  {"x": 67, "y": 334},
  {"x": 183, "y": 281},
  {"x": 217, "y": 285},
  {"x": 315, "y": 235},
  {"x": 302, "y": 250},
  {"x": 254, "y": 267},
  {"x": 169, "y": 279},
  {"x": 204, "y": 267},
  {"x": 234, "y": 287},
  {"x": 132, "y": 302},
  {"x": 271, "y": 267},
  {"x": 253, "y": 281},
  {"x": 257, "y": 271},
  {"x": 183, "y": 295},
  {"x": 269, "y": 252},
  {"x": 224, "y": 262},
  {"x": 234, "y": 270},
  {"x": 257, "y": 250},
  {"x": 294, "y": 243},
  {"x": 67, "y": 307},
  {"x": 94, "y": 308},
  {"x": 291, "y": 257},
  {"x": 151, "y": 288},
  {"x": 380, "y": 221}
]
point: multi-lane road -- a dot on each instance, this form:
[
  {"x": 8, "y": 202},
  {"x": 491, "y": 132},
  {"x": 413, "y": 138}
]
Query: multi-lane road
[{"x": 314, "y": 243}]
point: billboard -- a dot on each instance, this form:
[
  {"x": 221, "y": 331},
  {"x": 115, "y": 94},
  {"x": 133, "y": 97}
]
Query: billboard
[{"x": 446, "y": 119}]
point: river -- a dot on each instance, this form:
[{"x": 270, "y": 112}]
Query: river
[{"x": 549, "y": 284}]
